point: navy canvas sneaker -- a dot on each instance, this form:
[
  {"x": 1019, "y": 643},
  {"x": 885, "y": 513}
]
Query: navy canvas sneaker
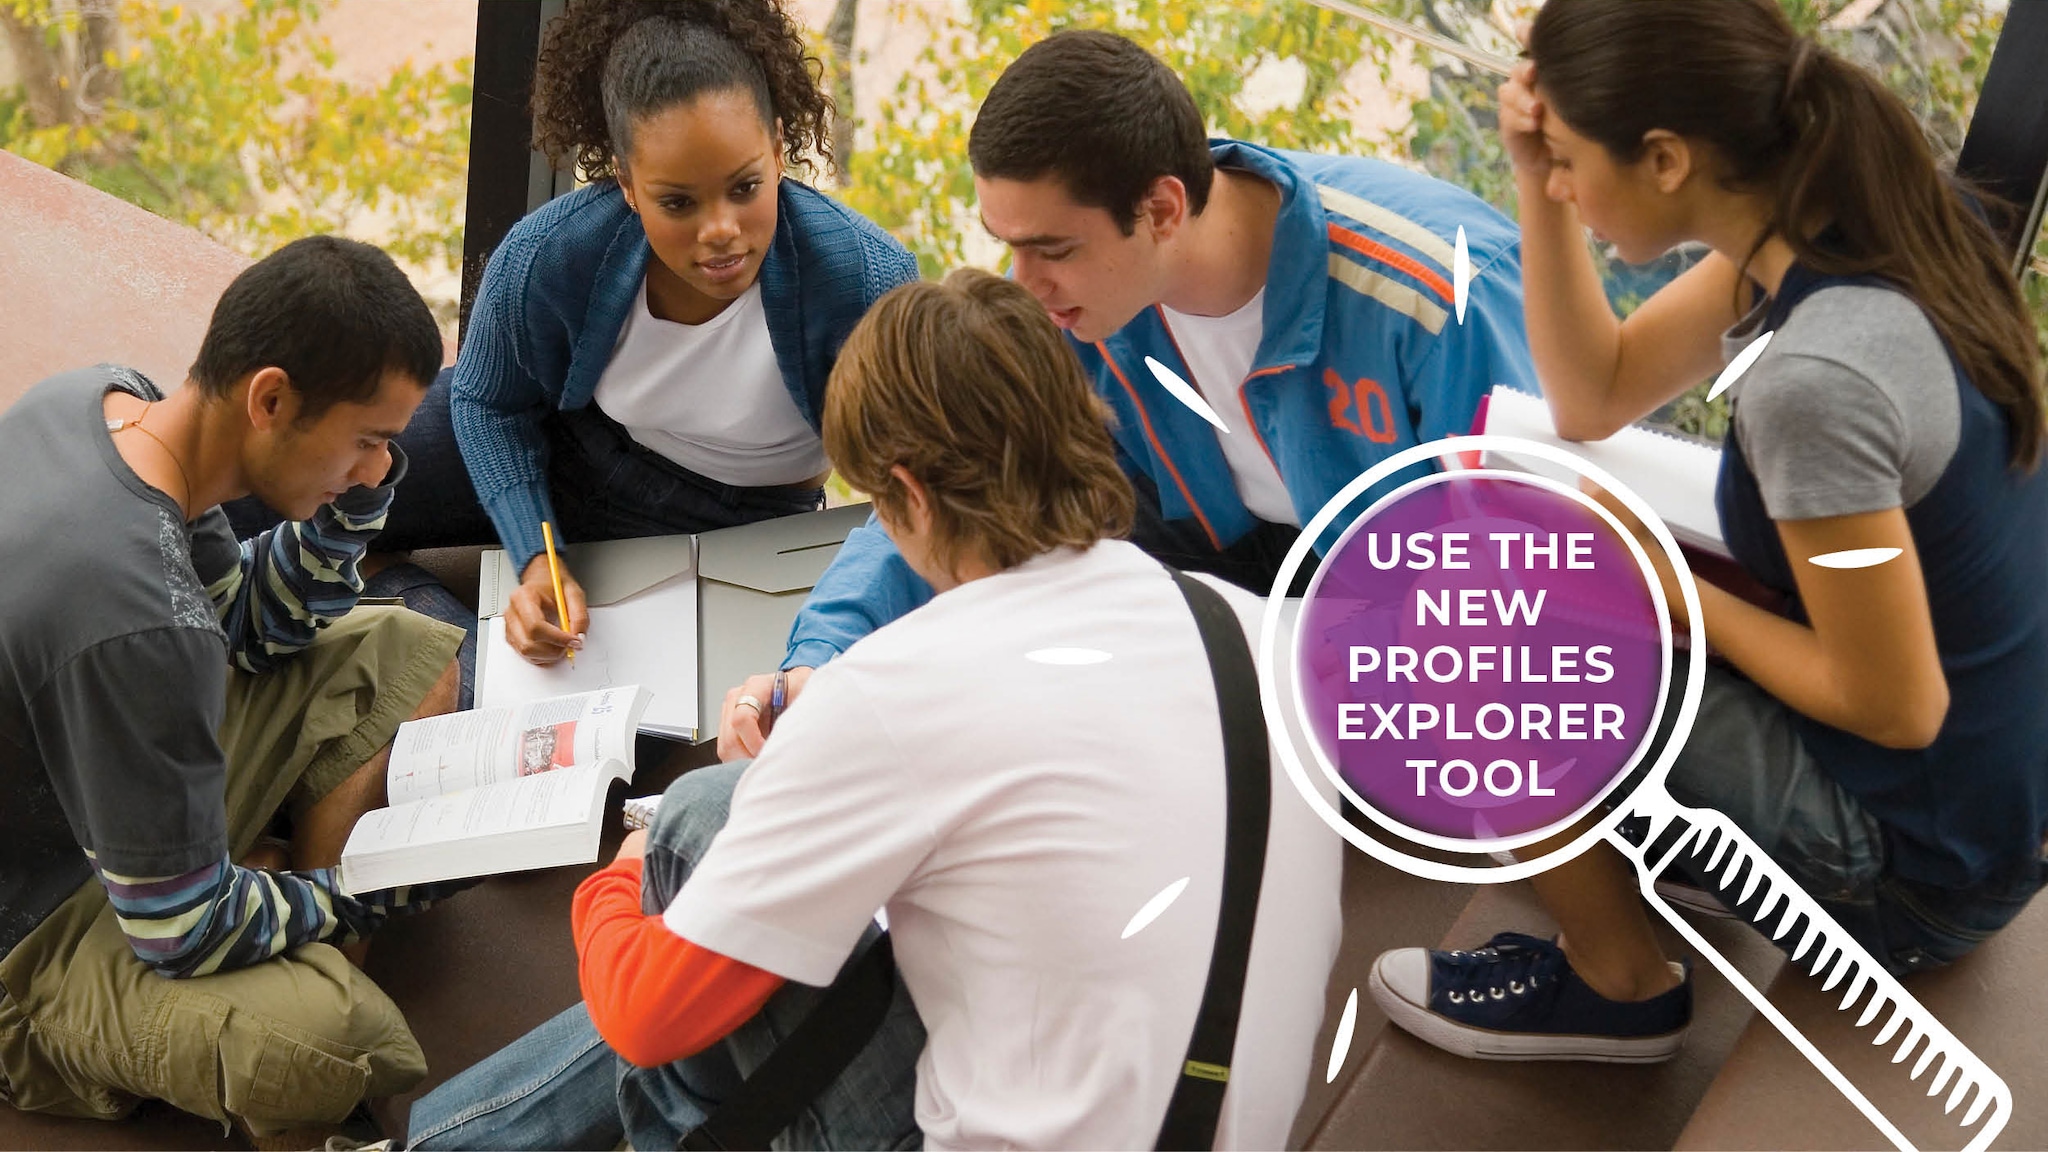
[{"x": 1518, "y": 999}]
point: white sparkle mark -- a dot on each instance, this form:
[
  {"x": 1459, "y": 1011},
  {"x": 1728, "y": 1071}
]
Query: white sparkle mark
[
  {"x": 1461, "y": 274},
  {"x": 1067, "y": 656},
  {"x": 1855, "y": 557},
  {"x": 1739, "y": 365},
  {"x": 1185, "y": 393},
  {"x": 1341, "y": 1046},
  {"x": 1154, "y": 907}
]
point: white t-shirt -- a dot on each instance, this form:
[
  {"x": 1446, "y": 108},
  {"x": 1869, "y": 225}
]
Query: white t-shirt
[
  {"x": 710, "y": 396},
  {"x": 1219, "y": 351},
  {"x": 1013, "y": 815}
]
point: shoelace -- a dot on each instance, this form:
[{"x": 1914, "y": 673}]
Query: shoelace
[{"x": 1512, "y": 964}]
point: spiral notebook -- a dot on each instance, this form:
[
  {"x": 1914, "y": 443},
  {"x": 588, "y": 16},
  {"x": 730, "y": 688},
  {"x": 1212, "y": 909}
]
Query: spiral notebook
[{"x": 1674, "y": 475}]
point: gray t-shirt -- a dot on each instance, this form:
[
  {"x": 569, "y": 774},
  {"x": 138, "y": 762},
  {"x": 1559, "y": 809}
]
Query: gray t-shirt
[
  {"x": 118, "y": 621},
  {"x": 113, "y": 672},
  {"x": 1852, "y": 408}
]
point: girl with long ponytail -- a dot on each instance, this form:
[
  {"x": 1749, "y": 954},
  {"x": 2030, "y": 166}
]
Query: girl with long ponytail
[{"x": 1882, "y": 739}]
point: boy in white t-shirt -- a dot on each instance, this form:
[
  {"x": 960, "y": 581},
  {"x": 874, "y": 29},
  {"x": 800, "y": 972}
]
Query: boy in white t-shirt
[{"x": 1011, "y": 774}]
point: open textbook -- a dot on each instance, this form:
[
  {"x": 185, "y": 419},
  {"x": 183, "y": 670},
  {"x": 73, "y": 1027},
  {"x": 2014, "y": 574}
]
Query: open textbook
[
  {"x": 496, "y": 790},
  {"x": 1674, "y": 475}
]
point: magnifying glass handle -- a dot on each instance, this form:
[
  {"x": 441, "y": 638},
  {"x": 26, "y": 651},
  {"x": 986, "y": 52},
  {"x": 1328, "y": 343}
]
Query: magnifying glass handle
[{"x": 1757, "y": 889}]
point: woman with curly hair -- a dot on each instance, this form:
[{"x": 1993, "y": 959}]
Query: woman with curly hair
[{"x": 648, "y": 353}]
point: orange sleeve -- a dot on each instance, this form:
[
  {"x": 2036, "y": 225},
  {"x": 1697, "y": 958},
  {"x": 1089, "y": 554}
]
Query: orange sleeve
[{"x": 654, "y": 996}]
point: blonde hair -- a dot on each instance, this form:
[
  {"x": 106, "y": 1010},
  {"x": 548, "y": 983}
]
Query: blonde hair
[{"x": 969, "y": 386}]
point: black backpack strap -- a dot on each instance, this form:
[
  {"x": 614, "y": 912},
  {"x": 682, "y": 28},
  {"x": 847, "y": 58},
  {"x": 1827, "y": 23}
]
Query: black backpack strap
[
  {"x": 807, "y": 1062},
  {"x": 1198, "y": 1093},
  {"x": 851, "y": 1011}
]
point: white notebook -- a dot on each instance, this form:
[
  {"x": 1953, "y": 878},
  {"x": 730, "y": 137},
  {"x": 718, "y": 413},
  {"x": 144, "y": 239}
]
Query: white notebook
[
  {"x": 687, "y": 616},
  {"x": 1675, "y": 476},
  {"x": 649, "y": 639}
]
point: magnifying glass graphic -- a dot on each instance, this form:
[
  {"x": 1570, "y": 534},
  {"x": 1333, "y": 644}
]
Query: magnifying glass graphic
[{"x": 1482, "y": 667}]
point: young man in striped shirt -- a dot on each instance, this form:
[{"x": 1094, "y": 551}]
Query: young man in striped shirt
[{"x": 167, "y": 697}]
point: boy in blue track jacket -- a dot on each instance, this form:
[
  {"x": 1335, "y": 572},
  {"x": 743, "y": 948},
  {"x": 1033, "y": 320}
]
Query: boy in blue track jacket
[{"x": 1304, "y": 301}]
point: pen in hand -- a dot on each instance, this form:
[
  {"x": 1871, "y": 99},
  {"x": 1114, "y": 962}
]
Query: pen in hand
[{"x": 777, "y": 697}]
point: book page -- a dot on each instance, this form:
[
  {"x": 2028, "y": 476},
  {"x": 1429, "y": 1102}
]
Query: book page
[
  {"x": 448, "y": 754},
  {"x": 649, "y": 638},
  {"x": 527, "y": 802},
  {"x": 563, "y": 799}
]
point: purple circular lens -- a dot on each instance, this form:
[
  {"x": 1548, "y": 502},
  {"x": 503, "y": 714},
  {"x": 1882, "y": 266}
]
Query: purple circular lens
[{"x": 1480, "y": 657}]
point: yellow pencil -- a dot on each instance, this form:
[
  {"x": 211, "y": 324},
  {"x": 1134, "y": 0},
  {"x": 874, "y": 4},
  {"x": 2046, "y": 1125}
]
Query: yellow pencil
[{"x": 547, "y": 537}]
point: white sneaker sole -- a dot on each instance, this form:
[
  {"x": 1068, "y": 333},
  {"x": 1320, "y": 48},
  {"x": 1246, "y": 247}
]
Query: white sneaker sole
[
  {"x": 1691, "y": 899},
  {"x": 1478, "y": 1043}
]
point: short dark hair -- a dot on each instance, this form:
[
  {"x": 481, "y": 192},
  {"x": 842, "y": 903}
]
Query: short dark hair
[
  {"x": 334, "y": 314},
  {"x": 1101, "y": 114}
]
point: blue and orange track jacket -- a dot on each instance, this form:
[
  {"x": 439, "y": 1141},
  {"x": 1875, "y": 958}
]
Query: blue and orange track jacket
[{"x": 1362, "y": 356}]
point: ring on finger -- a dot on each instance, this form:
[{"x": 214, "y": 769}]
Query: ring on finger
[{"x": 750, "y": 701}]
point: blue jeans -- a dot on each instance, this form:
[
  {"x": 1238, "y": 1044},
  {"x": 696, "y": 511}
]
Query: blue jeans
[
  {"x": 559, "y": 1086},
  {"x": 1744, "y": 759}
]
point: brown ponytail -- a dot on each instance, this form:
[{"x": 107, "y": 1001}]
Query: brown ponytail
[{"x": 1834, "y": 147}]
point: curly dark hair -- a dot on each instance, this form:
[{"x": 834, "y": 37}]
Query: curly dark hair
[{"x": 589, "y": 64}]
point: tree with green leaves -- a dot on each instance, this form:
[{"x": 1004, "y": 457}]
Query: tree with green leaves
[
  {"x": 1933, "y": 53},
  {"x": 910, "y": 171},
  {"x": 233, "y": 123}
]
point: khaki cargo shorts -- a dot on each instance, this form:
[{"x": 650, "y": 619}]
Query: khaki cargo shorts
[{"x": 86, "y": 1029}]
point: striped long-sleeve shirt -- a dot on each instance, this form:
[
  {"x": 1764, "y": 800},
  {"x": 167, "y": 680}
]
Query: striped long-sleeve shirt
[
  {"x": 117, "y": 634},
  {"x": 271, "y": 595},
  {"x": 222, "y": 916}
]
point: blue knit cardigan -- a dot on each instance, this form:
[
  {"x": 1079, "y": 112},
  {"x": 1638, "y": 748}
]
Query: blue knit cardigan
[{"x": 556, "y": 295}]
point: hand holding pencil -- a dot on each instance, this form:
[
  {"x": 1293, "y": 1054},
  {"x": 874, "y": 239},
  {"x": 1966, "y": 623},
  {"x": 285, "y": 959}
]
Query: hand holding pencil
[
  {"x": 547, "y": 539},
  {"x": 546, "y": 616}
]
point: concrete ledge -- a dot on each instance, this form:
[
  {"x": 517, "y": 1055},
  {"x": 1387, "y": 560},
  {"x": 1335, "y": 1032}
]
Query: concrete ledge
[
  {"x": 1383, "y": 908},
  {"x": 91, "y": 278},
  {"x": 1768, "y": 1096}
]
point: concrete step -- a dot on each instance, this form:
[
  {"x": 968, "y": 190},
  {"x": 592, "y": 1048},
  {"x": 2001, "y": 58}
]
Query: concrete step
[
  {"x": 458, "y": 570},
  {"x": 1407, "y": 1094},
  {"x": 91, "y": 278},
  {"x": 154, "y": 1127},
  {"x": 1383, "y": 908},
  {"x": 1768, "y": 1096}
]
